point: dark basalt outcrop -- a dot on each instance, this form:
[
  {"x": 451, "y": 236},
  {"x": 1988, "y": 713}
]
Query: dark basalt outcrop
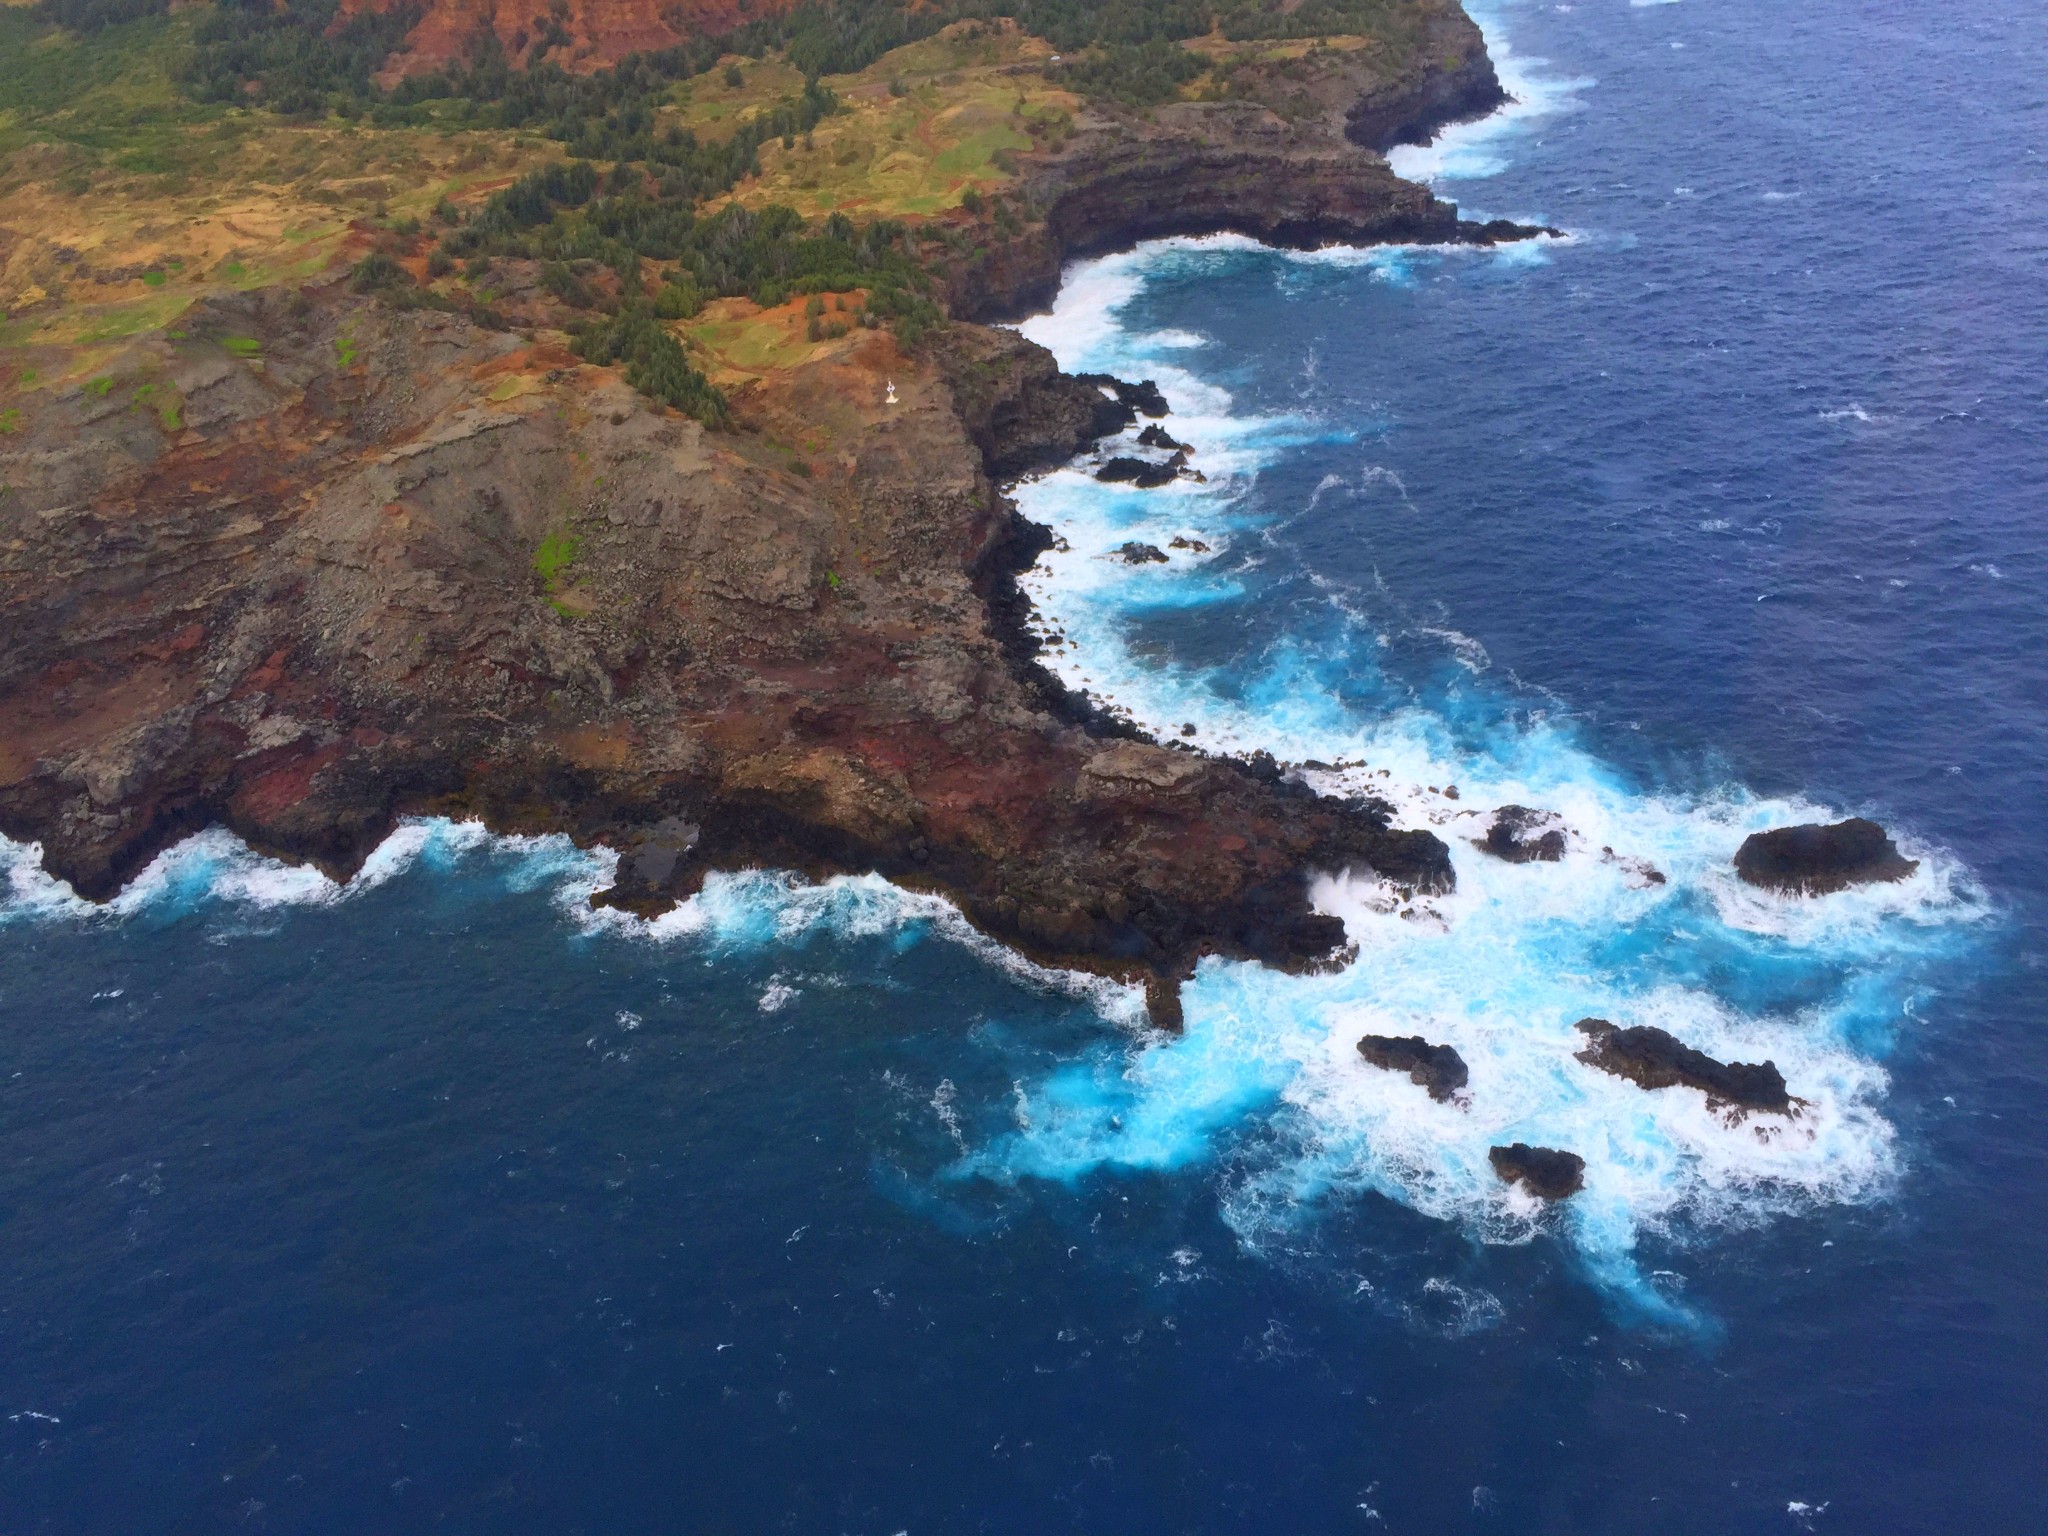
[
  {"x": 1544, "y": 1171},
  {"x": 314, "y": 601},
  {"x": 1813, "y": 860},
  {"x": 1289, "y": 159},
  {"x": 1524, "y": 836},
  {"x": 1135, "y": 553},
  {"x": 1654, "y": 1058},
  {"x": 1414, "y": 110},
  {"x": 1145, "y": 474},
  {"x": 1155, "y": 436},
  {"x": 1438, "y": 1068},
  {"x": 1143, "y": 398}
]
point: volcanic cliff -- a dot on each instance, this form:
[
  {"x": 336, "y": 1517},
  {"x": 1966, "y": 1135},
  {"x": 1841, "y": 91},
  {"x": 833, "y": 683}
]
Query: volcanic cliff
[{"x": 307, "y": 600}]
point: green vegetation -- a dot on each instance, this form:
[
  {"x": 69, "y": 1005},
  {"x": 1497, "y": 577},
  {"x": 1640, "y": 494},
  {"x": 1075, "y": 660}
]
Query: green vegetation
[
  {"x": 556, "y": 554},
  {"x": 939, "y": 97},
  {"x": 293, "y": 57},
  {"x": 1136, "y": 74},
  {"x": 10, "y": 420},
  {"x": 162, "y": 399},
  {"x": 656, "y": 363},
  {"x": 765, "y": 255}
]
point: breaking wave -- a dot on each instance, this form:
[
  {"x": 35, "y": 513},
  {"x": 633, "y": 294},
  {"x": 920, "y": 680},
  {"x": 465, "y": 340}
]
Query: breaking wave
[{"x": 1642, "y": 922}]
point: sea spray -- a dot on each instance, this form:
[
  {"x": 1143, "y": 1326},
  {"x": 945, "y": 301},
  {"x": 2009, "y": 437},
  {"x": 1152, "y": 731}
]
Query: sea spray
[{"x": 1642, "y": 921}]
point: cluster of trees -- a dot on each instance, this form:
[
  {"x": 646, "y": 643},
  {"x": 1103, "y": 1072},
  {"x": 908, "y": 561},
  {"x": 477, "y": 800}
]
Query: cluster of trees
[
  {"x": 655, "y": 361},
  {"x": 1136, "y": 74},
  {"x": 292, "y": 56},
  {"x": 573, "y": 220},
  {"x": 568, "y": 214},
  {"x": 302, "y": 57}
]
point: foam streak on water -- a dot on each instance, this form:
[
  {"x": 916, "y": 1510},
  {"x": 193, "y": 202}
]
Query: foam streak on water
[{"x": 1502, "y": 969}]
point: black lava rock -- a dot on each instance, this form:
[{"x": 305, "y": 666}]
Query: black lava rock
[
  {"x": 1145, "y": 474},
  {"x": 1135, "y": 553},
  {"x": 1544, "y": 1171},
  {"x": 1813, "y": 860},
  {"x": 1143, "y": 397},
  {"x": 1523, "y": 836},
  {"x": 1438, "y": 1068},
  {"x": 1654, "y": 1058}
]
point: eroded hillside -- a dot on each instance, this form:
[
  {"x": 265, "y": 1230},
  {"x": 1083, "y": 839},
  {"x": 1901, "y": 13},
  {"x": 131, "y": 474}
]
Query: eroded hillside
[{"x": 611, "y": 452}]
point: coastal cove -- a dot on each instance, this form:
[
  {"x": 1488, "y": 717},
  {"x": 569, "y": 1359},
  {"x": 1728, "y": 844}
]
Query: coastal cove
[{"x": 712, "y": 1078}]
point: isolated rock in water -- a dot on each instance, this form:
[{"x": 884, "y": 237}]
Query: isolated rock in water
[
  {"x": 1544, "y": 1171},
  {"x": 1155, "y": 436},
  {"x": 1438, "y": 1068},
  {"x": 1813, "y": 860},
  {"x": 1194, "y": 546},
  {"x": 1653, "y": 1058},
  {"x": 1523, "y": 836},
  {"x": 1143, "y": 397},
  {"x": 1135, "y": 553},
  {"x": 1143, "y": 473},
  {"x": 1506, "y": 231}
]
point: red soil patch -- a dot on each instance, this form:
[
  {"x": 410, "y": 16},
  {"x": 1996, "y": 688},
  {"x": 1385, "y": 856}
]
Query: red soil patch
[{"x": 601, "y": 32}]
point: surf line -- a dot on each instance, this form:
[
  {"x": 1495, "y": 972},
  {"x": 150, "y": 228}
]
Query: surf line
[{"x": 1638, "y": 904}]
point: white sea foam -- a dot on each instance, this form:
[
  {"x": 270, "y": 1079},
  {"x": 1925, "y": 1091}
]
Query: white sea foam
[
  {"x": 214, "y": 869},
  {"x": 1502, "y": 969},
  {"x": 1479, "y": 149}
]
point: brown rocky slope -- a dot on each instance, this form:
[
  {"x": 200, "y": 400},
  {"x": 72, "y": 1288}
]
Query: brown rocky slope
[
  {"x": 312, "y": 604},
  {"x": 310, "y": 563}
]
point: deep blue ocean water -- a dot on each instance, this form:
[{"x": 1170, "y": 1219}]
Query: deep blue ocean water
[{"x": 432, "y": 1204}]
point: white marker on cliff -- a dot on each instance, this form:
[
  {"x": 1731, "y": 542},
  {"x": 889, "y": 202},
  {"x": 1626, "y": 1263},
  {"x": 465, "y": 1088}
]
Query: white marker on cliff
[{"x": 891, "y": 400}]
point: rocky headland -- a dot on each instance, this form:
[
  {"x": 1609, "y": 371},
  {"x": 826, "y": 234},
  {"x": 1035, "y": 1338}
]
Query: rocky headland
[
  {"x": 309, "y": 562},
  {"x": 1280, "y": 161}
]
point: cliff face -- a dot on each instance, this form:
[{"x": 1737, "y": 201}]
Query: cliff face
[
  {"x": 387, "y": 562},
  {"x": 309, "y": 563},
  {"x": 1280, "y": 160}
]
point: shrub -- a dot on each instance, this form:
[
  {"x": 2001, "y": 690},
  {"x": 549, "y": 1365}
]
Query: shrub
[{"x": 655, "y": 362}]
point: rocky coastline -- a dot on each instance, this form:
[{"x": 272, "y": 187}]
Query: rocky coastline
[
  {"x": 382, "y": 562},
  {"x": 1297, "y": 161}
]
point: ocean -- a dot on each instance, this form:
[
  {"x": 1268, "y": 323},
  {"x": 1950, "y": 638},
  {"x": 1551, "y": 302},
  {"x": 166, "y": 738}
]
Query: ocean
[{"x": 438, "y": 1201}]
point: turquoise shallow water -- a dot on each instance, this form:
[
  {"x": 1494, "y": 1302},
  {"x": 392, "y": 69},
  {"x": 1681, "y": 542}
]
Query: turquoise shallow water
[{"x": 433, "y": 1204}]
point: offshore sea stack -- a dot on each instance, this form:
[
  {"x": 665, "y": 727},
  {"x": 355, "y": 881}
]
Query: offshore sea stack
[
  {"x": 1814, "y": 860},
  {"x": 1653, "y": 1058},
  {"x": 1545, "y": 1172},
  {"x": 1524, "y": 836},
  {"x": 1437, "y": 1068}
]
